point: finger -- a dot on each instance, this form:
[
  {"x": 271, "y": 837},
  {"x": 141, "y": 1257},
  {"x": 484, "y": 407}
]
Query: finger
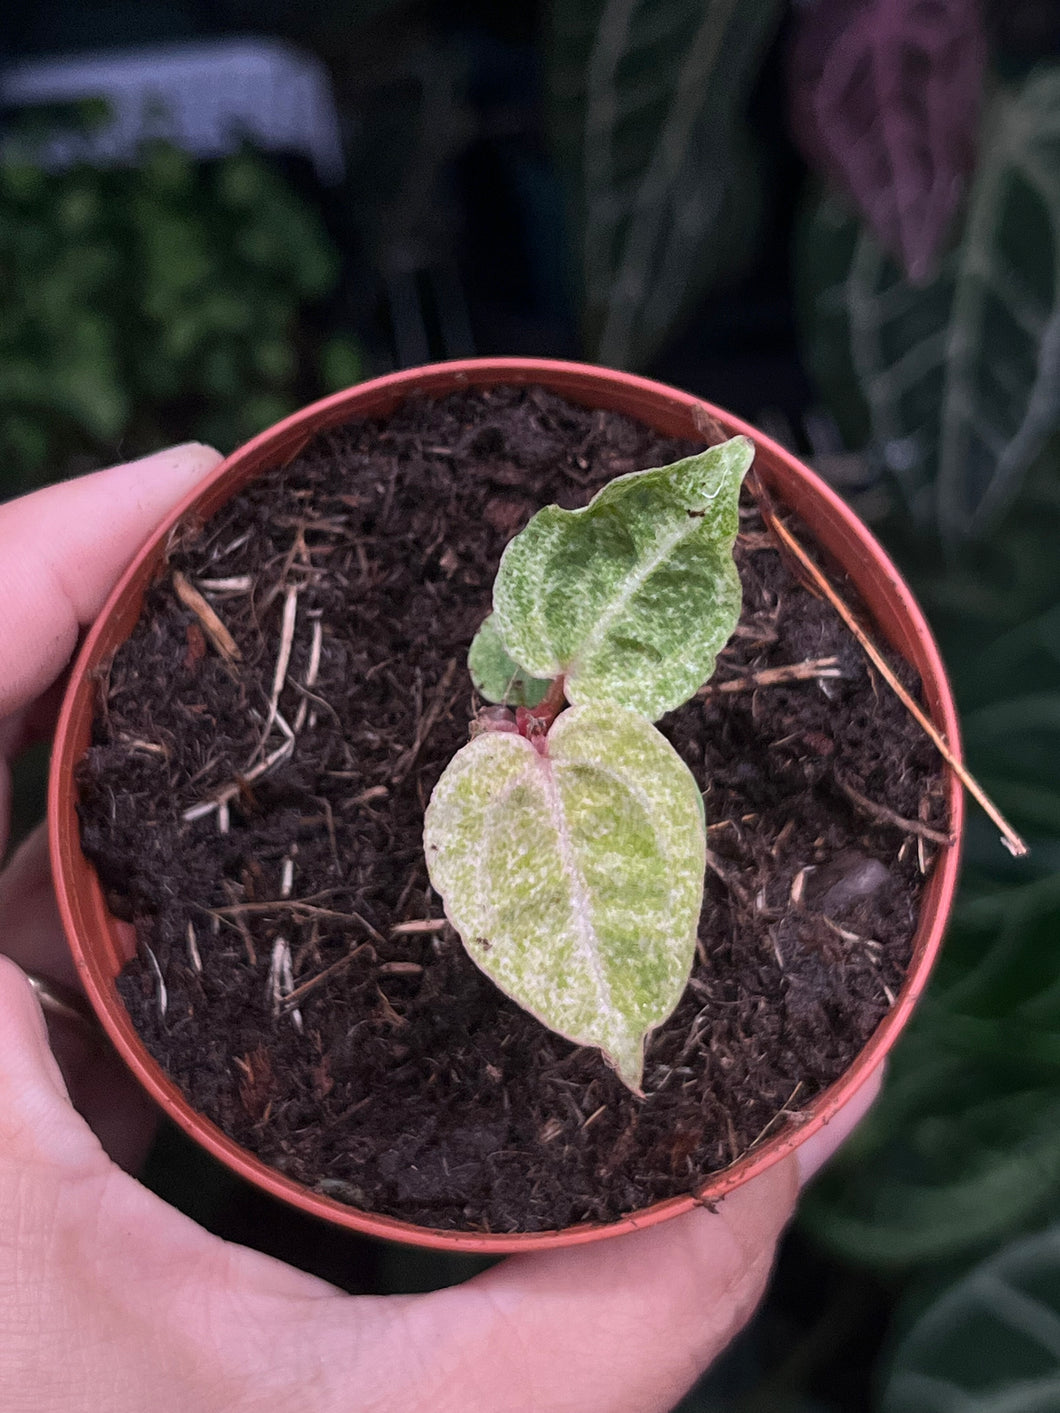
[
  {"x": 39, "y": 1129},
  {"x": 620, "y": 1326},
  {"x": 100, "y": 1087},
  {"x": 819, "y": 1147},
  {"x": 109, "y": 1299},
  {"x": 61, "y": 550},
  {"x": 628, "y": 1325},
  {"x": 38, "y": 1126},
  {"x": 34, "y": 722},
  {"x": 30, "y": 930}
]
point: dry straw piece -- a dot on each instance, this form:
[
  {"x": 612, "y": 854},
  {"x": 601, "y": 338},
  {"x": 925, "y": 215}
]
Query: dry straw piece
[{"x": 1009, "y": 837}]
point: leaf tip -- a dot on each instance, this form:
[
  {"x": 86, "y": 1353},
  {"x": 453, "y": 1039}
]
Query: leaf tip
[
  {"x": 626, "y": 1058},
  {"x": 743, "y": 449}
]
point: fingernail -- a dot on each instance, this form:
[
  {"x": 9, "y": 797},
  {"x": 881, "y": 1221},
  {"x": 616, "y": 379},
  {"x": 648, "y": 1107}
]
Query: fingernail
[{"x": 194, "y": 457}]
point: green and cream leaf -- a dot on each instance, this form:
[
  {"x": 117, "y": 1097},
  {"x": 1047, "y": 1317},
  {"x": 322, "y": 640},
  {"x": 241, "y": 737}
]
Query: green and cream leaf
[
  {"x": 496, "y": 676},
  {"x": 632, "y": 597},
  {"x": 575, "y": 876}
]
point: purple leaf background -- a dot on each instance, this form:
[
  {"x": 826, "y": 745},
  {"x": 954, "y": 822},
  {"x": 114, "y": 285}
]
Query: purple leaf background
[{"x": 885, "y": 98}]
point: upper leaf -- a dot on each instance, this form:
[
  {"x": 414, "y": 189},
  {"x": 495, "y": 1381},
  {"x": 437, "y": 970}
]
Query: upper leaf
[
  {"x": 575, "y": 877},
  {"x": 496, "y": 676},
  {"x": 884, "y": 102},
  {"x": 961, "y": 377},
  {"x": 632, "y": 597}
]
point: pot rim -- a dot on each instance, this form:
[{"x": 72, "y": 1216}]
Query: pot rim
[{"x": 91, "y": 930}]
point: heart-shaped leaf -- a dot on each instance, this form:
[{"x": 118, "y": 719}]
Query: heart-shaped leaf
[
  {"x": 574, "y": 875},
  {"x": 496, "y": 676},
  {"x": 632, "y": 597},
  {"x": 885, "y": 98}
]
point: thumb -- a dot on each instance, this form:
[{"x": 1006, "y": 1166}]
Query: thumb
[
  {"x": 620, "y": 1326},
  {"x": 38, "y": 1124},
  {"x": 62, "y": 549}
]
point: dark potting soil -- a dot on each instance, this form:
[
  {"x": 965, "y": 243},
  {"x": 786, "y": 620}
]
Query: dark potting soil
[{"x": 295, "y": 976}]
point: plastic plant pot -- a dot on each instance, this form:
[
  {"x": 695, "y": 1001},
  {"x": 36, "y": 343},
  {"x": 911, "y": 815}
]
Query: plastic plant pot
[{"x": 102, "y": 945}]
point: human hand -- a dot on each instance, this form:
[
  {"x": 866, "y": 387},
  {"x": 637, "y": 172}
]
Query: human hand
[{"x": 112, "y": 1302}]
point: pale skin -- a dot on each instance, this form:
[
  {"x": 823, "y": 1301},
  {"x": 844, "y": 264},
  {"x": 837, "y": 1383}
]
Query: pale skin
[{"x": 113, "y": 1302}]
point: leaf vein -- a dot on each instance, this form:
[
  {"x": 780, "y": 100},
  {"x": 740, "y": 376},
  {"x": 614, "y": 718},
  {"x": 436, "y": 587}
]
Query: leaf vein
[
  {"x": 588, "y": 938},
  {"x": 633, "y": 582}
]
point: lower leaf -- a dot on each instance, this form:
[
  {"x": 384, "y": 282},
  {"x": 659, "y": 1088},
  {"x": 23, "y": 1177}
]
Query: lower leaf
[{"x": 574, "y": 874}]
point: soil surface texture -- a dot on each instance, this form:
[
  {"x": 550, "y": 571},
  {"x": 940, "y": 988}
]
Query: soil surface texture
[{"x": 254, "y": 800}]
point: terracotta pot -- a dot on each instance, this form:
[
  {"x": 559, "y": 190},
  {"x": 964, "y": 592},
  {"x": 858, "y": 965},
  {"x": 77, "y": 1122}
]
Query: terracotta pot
[{"x": 101, "y": 945}]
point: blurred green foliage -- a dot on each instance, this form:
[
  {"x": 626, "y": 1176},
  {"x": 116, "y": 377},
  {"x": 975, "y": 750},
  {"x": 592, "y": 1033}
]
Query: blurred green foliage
[
  {"x": 147, "y": 304},
  {"x": 648, "y": 119},
  {"x": 953, "y": 382},
  {"x": 989, "y": 1343},
  {"x": 952, "y": 391}
]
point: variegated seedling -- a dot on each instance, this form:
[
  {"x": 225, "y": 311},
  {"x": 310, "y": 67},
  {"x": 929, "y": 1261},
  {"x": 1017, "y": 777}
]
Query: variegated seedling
[{"x": 567, "y": 838}]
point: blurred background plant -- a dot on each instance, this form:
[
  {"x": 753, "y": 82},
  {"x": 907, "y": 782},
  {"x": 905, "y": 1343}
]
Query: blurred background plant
[
  {"x": 155, "y": 302},
  {"x": 841, "y": 218}
]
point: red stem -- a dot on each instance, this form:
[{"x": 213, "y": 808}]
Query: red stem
[{"x": 534, "y": 722}]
